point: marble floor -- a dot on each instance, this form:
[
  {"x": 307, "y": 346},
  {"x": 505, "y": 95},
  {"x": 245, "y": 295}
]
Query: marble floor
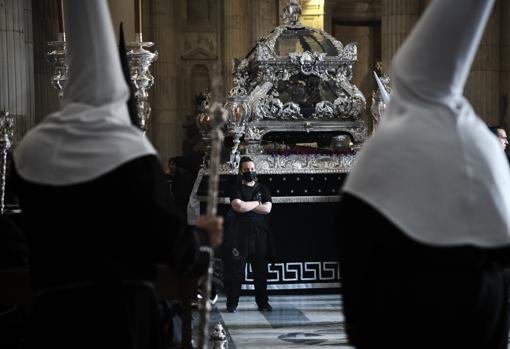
[{"x": 296, "y": 321}]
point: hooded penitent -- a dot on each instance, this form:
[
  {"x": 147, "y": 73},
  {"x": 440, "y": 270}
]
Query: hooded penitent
[
  {"x": 385, "y": 96},
  {"x": 433, "y": 168},
  {"x": 92, "y": 134}
]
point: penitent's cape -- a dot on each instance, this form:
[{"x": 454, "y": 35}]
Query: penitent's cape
[{"x": 433, "y": 168}]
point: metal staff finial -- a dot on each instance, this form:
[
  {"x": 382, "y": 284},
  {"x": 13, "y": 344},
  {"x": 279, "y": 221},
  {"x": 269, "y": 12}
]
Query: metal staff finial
[
  {"x": 57, "y": 58},
  {"x": 292, "y": 12},
  {"x": 219, "y": 337},
  {"x": 140, "y": 60},
  {"x": 6, "y": 135},
  {"x": 217, "y": 116}
]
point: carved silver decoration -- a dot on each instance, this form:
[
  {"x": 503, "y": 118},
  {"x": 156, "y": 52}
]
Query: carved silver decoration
[
  {"x": 252, "y": 138},
  {"x": 325, "y": 110},
  {"x": 6, "y": 135},
  {"x": 258, "y": 101},
  {"x": 219, "y": 337},
  {"x": 276, "y": 106},
  {"x": 140, "y": 60},
  {"x": 299, "y": 97},
  {"x": 315, "y": 163},
  {"x": 309, "y": 163},
  {"x": 309, "y": 63},
  {"x": 57, "y": 58},
  {"x": 238, "y": 108},
  {"x": 359, "y": 134},
  {"x": 350, "y": 52},
  {"x": 253, "y": 133},
  {"x": 292, "y": 12},
  {"x": 265, "y": 52},
  {"x": 291, "y": 110},
  {"x": 285, "y": 199},
  {"x": 288, "y": 87}
]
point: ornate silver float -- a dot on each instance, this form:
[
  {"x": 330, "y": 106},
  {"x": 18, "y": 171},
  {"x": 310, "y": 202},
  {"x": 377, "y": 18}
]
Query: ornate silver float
[
  {"x": 295, "y": 81},
  {"x": 296, "y": 113}
]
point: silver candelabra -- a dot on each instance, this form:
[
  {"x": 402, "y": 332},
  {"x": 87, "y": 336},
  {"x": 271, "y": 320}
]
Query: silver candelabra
[
  {"x": 57, "y": 58},
  {"x": 6, "y": 135},
  {"x": 140, "y": 60}
]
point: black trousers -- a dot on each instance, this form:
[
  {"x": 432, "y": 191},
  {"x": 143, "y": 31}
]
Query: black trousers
[{"x": 233, "y": 276}]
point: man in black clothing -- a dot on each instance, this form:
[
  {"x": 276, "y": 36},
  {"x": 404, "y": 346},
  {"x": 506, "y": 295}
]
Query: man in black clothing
[{"x": 250, "y": 239}]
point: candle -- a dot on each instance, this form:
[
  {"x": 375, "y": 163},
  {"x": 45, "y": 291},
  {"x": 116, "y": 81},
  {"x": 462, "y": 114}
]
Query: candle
[
  {"x": 61, "y": 16},
  {"x": 138, "y": 16}
]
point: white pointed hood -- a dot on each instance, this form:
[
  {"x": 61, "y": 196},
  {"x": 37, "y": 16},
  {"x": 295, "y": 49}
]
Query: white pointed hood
[
  {"x": 385, "y": 96},
  {"x": 92, "y": 134},
  {"x": 433, "y": 168}
]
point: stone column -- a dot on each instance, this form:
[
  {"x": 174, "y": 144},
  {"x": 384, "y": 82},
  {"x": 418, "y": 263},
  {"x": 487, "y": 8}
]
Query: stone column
[
  {"x": 166, "y": 124},
  {"x": 236, "y": 35},
  {"x": 398, "y": 19},
  {"x": 17, "y": 63},
  {"x": 483, "y": 88},
  {"x": 45, "y": 13},
  {"x": 505, "y": 64},
  {"x": 264, "y": 17}
]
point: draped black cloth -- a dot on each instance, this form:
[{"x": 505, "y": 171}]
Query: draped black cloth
[
  {"x": 94, "y": 247},
  {"x": 398, "y": 293},
  {"x": 13, "y": 255}
]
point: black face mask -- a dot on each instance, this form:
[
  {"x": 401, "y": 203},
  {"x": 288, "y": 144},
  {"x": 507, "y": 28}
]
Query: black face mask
[{"x": 249, "y": 176}]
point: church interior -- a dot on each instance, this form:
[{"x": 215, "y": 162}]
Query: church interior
[{"x": 301, "y": 86}]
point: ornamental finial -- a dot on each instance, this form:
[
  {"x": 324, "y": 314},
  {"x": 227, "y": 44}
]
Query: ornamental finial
[{"x": 292, "y": 12}]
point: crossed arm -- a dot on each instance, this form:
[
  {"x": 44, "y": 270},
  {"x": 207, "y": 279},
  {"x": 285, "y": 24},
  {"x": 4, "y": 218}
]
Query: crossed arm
[{"x": 256, "y": 206}]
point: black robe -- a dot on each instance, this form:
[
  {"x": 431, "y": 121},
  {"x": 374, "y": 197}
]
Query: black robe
[
  {"x": 399, "y": 293},
  {"x": 247, "y": 238},
  {"x": 94, "y": 247}
]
